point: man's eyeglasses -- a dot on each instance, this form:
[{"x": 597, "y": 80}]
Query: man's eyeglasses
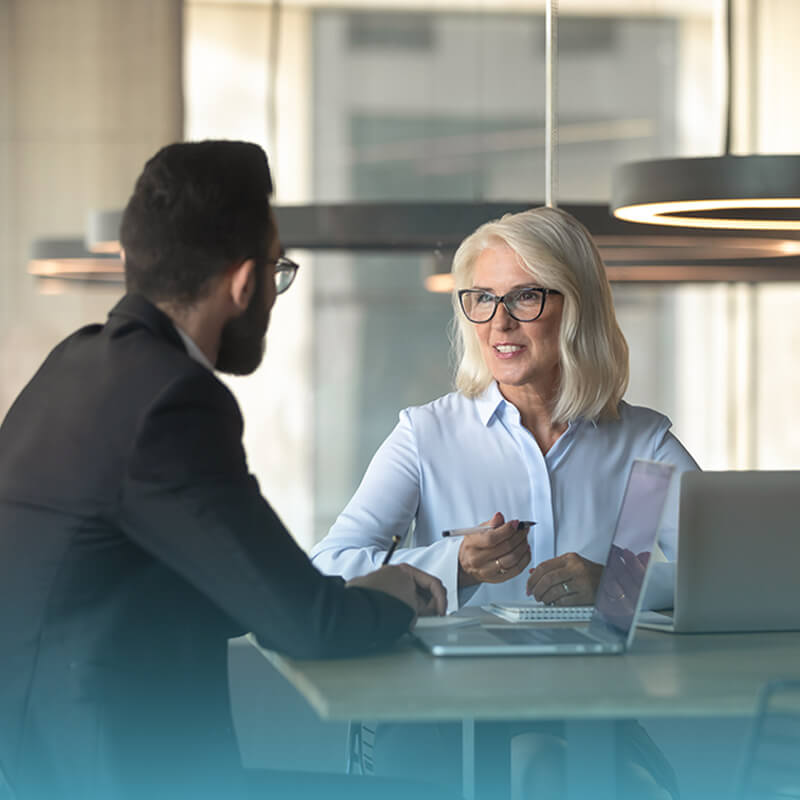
[
  {"x": 524, "y": 305},
  {"x": 285, "y": 270}
]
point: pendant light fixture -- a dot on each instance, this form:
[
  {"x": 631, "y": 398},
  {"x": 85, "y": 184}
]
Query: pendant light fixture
[
  {"x": 630, "y": 252},
  {"x": 753, "y": 192},
  {"x": 69, "y": 260}
]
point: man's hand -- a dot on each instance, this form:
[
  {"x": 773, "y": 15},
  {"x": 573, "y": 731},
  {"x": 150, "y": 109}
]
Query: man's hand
[
  {"x": 495, "y": 556},
  {"x": 424, "y": 593},
  {"x": 567, "y": 580}
]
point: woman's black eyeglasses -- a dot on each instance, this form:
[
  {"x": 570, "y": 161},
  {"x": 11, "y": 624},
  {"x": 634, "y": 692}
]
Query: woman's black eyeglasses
[{"x": 524, "y": 305}]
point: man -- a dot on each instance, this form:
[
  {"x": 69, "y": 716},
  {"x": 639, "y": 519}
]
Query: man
[{"x": 133, "y": 540}]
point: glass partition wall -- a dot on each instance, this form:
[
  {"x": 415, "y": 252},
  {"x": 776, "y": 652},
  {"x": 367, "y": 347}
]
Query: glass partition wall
[{"x": 381, "y": 103}]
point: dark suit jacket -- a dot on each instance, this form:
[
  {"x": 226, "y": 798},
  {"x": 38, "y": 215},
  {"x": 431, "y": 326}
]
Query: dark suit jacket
[{"x": 133, "y": 544}]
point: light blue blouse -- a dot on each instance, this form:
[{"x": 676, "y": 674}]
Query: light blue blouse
[{"x": 454, "y": 462}]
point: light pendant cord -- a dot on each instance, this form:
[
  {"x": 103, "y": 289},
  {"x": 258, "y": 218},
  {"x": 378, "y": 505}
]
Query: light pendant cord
[
  {"x": 551, "y": 84},
  {"x": 273, "y": 55},
  {"x": 728, "y": 76}
]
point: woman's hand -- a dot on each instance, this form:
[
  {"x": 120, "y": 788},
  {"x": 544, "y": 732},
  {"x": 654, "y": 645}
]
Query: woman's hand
[
  {"x": 494, "y": 556},
  {"x": 568, "y": 580}
]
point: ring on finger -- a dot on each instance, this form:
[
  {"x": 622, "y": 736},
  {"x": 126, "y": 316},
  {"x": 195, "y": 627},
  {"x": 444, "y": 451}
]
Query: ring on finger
[
  {"x": 499, "y": 567},
  {"x": 565, "y": 587}
]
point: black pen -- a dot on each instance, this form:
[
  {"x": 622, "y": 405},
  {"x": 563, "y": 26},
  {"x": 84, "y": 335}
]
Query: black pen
[
  {"x": 395, "y": 542},
  {"x": 523, "y": 523}
]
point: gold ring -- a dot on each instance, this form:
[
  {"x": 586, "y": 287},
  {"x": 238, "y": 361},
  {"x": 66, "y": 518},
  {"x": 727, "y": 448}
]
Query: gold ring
[{"x": 499, "y": 566}]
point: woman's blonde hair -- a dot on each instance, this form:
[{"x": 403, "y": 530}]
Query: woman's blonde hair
[{"x": 559, "y": 253}]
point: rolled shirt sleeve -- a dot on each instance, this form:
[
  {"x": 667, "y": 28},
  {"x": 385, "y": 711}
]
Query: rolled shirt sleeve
[{"x": 383, "y": 506}]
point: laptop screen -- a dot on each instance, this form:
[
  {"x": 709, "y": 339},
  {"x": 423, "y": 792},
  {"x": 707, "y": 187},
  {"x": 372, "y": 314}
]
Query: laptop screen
[{"x": 619, "y": 593}]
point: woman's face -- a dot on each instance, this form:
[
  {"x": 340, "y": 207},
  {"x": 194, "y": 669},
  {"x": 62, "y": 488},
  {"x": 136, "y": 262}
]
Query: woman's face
[{"x": 517, "y": 353}]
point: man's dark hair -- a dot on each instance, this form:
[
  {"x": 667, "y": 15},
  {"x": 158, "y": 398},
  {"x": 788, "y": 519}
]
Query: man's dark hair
[{"x": 197, "y": 208}]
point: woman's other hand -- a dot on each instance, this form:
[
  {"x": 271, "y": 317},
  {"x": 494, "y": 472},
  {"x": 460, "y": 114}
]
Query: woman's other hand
[
  {"x": 495, "y": 556},
  {"x": 566, "y": 580}
]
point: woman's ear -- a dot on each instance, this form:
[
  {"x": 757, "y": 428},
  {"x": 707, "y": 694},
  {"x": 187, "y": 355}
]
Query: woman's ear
[{"x": 242, "y": 283}]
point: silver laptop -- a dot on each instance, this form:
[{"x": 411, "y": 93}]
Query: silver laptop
[
  {"x": 738, "y": 551},
  {"x": 619, "y": 593}
]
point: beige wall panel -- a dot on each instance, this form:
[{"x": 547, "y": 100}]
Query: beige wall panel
[
  {"x": 5, "y": 154},
  {"x": 5, "y": 258},
  {"x": 5, "y": 65},
  {"x": 90, "y": 89}
]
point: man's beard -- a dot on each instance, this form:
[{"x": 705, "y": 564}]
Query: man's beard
[{"x": 241, "y": 346}]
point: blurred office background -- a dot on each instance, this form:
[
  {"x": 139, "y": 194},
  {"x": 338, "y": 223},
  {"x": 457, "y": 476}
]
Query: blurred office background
[
  {"x": 381, "y": 100},
  {"x": 389, "y": 100}
]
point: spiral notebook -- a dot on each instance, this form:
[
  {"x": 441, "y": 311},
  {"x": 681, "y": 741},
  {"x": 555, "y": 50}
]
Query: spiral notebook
[{"x": 538, "y": 612}]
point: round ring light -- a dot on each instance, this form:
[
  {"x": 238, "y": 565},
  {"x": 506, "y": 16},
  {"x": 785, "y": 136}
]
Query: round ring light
[{"x": 759, "y": 192}]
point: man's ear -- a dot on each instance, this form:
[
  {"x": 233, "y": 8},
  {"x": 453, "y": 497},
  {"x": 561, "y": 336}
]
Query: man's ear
[{"x": 242, "y": 283}]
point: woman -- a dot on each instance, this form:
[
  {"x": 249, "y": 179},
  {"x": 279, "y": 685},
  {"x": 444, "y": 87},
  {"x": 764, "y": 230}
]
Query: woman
[{"x": 537, "y": 430}]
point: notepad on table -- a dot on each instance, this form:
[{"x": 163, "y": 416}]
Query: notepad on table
[{"x": 537, "y": 612}]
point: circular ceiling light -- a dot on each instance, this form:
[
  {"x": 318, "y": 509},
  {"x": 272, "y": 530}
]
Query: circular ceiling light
[{"x": 757, "y": 192}]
